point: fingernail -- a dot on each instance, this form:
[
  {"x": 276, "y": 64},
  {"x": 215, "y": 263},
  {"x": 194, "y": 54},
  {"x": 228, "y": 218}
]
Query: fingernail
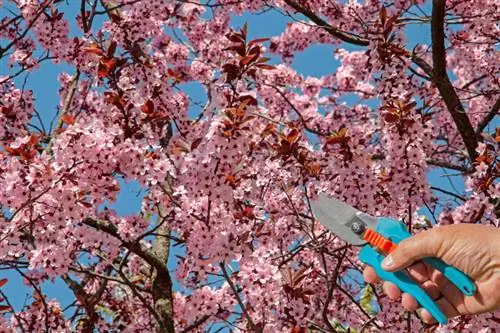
[{"x": 388, "y": 262}]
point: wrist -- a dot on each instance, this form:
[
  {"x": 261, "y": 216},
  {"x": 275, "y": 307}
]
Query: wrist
[{"x": 495, "y": 247}]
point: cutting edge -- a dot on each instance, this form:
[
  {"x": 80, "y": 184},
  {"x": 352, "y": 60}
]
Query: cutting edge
[{"x": 338, "y": 217}]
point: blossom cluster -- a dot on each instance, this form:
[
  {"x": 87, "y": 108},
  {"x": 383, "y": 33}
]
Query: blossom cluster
[{"x": 229, "y": 180}]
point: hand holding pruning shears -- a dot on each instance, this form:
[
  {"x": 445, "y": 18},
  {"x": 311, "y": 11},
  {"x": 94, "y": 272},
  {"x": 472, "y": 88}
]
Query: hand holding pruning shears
[
  {"x": 440, "y": 262},
  {"x": 473, "y": 249}
]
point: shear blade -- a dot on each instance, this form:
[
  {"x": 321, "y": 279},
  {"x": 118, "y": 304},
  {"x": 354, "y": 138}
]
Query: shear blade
[{"x": 338, "y": 217}]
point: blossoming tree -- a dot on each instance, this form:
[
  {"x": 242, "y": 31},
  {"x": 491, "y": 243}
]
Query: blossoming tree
[{"x": 231, "y": 186}]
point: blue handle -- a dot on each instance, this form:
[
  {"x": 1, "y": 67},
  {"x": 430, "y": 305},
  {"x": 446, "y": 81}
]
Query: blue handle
[
  {"x": 371, "y": 257},
  {"x": 396, "y": 232},
  {"x": 457, "y": 277}
]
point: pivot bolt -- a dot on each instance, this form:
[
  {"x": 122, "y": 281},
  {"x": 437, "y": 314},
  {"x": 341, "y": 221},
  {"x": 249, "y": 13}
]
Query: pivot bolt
[{"x": 358, "y": 228}]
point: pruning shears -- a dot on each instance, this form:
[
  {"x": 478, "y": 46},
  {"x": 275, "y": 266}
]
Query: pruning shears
[{"x": 379, "y": 237}]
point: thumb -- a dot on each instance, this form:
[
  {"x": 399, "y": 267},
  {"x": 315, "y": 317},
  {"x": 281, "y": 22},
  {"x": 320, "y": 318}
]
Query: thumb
[{"x": 422, "y": 245}]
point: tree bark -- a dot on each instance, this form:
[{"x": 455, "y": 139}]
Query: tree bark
[
  {"x": 162, "y": 284},
  {"x": 443, "y": 83}
]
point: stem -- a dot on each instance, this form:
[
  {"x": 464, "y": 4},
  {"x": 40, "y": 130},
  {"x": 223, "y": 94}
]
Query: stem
[{"x": 443, "y": 83}]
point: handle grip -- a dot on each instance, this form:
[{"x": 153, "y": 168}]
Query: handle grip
[
  {"x": 457, "y": 277},
  {"x": 396, "y": 232},
  {"x": 371, "y": 257}
]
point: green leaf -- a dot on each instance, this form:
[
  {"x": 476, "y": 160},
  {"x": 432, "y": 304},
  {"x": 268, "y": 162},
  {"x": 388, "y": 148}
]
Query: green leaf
[
  {"x": 147, "y": 216},
  {"x": 367, "y": 297},
  {"x": 107, "y": 312}
]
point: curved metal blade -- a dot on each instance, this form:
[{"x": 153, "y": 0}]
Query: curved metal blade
[{"x": 338, "y": 217}]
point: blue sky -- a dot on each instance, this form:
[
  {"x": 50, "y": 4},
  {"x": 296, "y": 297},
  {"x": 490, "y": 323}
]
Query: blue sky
[{"x": 316, "y": 61}]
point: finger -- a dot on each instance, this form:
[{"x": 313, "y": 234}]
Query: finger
[
  {"x": 391, "y": 290},
  {"x": 418, "y": 272},
  {"x": 408, "y": 302},
  {"x": 449, "y": 291},
  {"x": 410, "y": 250},
  {"x": 445, "y": 306},
  {"x": 369, "y": 275},
  {"x": 431, "y": 289}
]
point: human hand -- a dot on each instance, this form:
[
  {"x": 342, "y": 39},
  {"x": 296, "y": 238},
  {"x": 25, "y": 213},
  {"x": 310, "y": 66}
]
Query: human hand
[{"x": 474, "y": 249}]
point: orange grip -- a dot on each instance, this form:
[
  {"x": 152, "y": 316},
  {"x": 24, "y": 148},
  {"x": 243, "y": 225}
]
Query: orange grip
[{"x": 379, "y": 241}]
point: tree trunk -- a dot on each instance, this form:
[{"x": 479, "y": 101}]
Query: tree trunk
[{"x": 162, "y": 284}]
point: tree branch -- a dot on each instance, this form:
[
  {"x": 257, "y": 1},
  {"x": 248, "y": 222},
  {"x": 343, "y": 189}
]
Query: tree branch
[
  {"x": 137, "y": 293},
  {"x": 448, "y": 192},
  {"x": 443, "y": 83},
  {"x": 87, "y": 301},
  {"x": 489, "y": 117},
  {"x": 136, "y": 248},
  {"x": 196, "y": 324},
  {"x": 447, "y": 165},
  {"x": 438, "y": 73},
  {"x": 238, "y": 298},
  {"x": 342, "y": 35},
  {"x": 306, "y": 127},
  {"x": 39, "y": 12},
  {"x": 162, "y": 283},
  {"x": 349, "y": 37}
]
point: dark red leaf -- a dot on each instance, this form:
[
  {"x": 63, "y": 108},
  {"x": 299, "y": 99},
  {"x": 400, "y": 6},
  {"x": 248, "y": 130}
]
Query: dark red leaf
[
  {"x": 3, "y": 282},
  {"x": 273, "y": 46},
  {"x": 266, "y": 67},
  {"x": 120, "y": 62},
  {"x": 263, "y": 59},
  {"x": 391, "y": 117},
  {"x": 408, "y": 107},
  {"x": 111, "y": 49},
  {"x": 390, "y": 25},
  {"x": 68, "y": 119},
  {"x": 254, "y": 50},
  {"x": 106, "y": 66},
  {"x": 398, "y": 50},
  {"x": 148, "y": 108},
  {"x": 244, "y": 31},
  {"x": 248, "y": 99},
  {"x": 94, "y": 49},
  {"x": 269, "y": 129},
  {"x": 11, "y": 151},
  {"x": 335, "y": 139},
  {"x": 293, "y": 136},
  {"x": 383, "y": 15},
  {"x": 196, "y": 143},
  {"x": 86, "y": 204},
  {"x": 299, "y": 276},
  {"x": 235, "y": 38},
  {"x": 258, "y": 40},
  {"x": 27, "y": 155},
  {"x": 171, "y": 72},
  {"x": 4, "y": 308},
  {"x": 115, "y": 18},
  {"x": 231, "y": 70},
  {"x": 239, "y": 48}
]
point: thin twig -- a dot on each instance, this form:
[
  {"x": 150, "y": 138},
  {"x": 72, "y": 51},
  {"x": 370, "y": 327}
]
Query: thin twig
[{"x": 237, "y": 296}]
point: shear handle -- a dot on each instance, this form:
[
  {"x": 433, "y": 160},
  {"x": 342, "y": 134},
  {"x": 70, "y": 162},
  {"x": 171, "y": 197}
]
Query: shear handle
[
  {"x": 371, "y": 257},
  {"x": 396, "y": 232}
]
